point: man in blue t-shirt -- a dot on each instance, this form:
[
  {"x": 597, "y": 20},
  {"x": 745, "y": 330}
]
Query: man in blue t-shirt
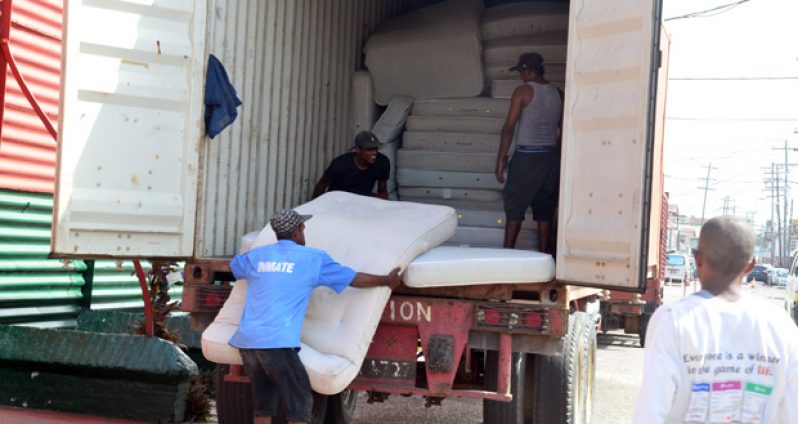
[{"x": 281, "y": 277}]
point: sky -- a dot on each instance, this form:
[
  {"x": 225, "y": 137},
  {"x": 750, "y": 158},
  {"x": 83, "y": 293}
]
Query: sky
[{"x": 736, "y": 125}]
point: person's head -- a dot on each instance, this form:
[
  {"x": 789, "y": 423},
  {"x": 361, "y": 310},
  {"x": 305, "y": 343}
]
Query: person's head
[
  {"x": 288, "y": 224},
  {"x": 366, "y": 147},
  {"x": 529, "y": 66},
  {"x": 725, "y": 251}
]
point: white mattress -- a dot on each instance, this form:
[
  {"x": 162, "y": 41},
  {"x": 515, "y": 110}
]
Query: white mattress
[
  {"x": 472, "y": 107},
  {"x": 491, "y": 237},
  {"x": 446, "y": 179},
  {"x": 452, "y": 141},
  {"x": 524, "y": 18},
  {"x": 504, "y": 88},
  {"x": 471, "y": 213},
  {"x": 364, "y": 110},
  {"x": 505, "y": 51},
  {"x": 389, "y": 150},
  {"x": 338, "y": 328},
  {"x": 463, "y": 266},
  {"x": 424, "y": 194},
  {"x": 428, "y": 53},
  {"x": 389, "y": 126},
  {"x": 554, "y": 72},
  {"x": 453, "y": 124},
  {"x": 446, "y": 161}
]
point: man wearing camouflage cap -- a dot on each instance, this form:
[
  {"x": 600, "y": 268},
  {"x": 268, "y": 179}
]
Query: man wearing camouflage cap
[{"x": 281, "y": 277}]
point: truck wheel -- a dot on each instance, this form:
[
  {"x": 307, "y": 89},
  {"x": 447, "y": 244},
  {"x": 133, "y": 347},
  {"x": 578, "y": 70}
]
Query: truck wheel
[
  {"x": 340, "y": 407},
  {"x": 513, "y": 412},
  {"x": 233, "y": 400},
  {"x": 644, "y": 318},
  {"x": 565, "y": 383}
]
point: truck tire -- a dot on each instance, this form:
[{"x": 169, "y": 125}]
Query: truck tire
[
  {"x": 340, "y": 408},
  {"x": 565, "y": 383},
  {"x": 513, "y": 412},
  {"x": 644, "y": 318}
]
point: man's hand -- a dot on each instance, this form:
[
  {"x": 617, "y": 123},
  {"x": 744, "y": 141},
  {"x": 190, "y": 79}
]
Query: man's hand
[
  {"x": 394, "y": 279},
  {"x": 500, "y": 165}
]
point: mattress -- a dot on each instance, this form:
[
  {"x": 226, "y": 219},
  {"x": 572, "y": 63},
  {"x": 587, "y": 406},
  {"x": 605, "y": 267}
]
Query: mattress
[
  {"x": 389, "y": 127},
  {"x": 389, "y": 150},
  {"x": 431, "y": 52},
  {"x": 247, "y": 240},
  {"x": 452, "y": 141},
  {"x": 453, "y": 124},
  {"x": 554, "y": 72},
  {"x": 471, "y": 107},
  {"x": 446, "y": 179},
  {"x": 524, "y": 18},
  {"x": 364, "y": 110},
  {"x": 463, "y": 266},
  {"x": 491, "y": 237},
  {"x": 471, "y": 213},
  {"x": 427, "y": 193},
  {"x": 504, "y": 88},
  {"x": 338, "y": 328},
  {"x": 446, "y": 161},
  {"x": 505, "y": 51}
]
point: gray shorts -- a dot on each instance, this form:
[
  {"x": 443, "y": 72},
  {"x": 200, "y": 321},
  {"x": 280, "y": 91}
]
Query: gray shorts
[{"x": 533, "y": 180}]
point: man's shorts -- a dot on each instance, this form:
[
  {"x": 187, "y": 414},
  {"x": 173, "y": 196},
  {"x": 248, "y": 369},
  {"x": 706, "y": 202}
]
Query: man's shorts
[
  {"x": 533, "y": 179},
  {"x": 278, "y": 377}
]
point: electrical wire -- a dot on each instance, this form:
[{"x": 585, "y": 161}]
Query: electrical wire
[
  {"x": 767, "y": 78},
  {"x": 732, "y": 119},
  {"x": 717, "y": 10}
]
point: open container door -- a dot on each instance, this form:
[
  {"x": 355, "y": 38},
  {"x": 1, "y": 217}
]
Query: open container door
[
  {"x": 130, "y": 126},
  {"x": 608, "y": 143}
]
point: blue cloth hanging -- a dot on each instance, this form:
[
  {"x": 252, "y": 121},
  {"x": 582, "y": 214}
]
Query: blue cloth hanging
[{"x": 221, "y": 99}]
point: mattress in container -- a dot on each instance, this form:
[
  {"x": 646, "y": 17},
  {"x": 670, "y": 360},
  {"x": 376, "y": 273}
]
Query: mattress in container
[
  {"x": 469, "y": 107},
  {"x": 453, "y": 124},
  {"x": 447, "y": 266},
  {"x": 491, "y": 237},
  {"x": 452, "y": 141},
  {"x": 366, "y": 233},
  {"x": 364, "y": 110},
  {"x": 474, "y": 213},
  {"x": 524, "y": 18},
  {"x": 428, "y": 53},
  {"x": 410, "y": 177},
  {"x": 552, "y": 46},
  {"x": 446, "y": 161}
]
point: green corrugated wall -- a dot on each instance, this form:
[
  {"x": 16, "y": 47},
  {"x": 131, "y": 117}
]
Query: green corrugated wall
[{"x": 42, "y": 292}]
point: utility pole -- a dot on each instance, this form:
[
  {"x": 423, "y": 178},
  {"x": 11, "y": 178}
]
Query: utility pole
[
  {"x": 706, "y": 189},
  {"x": 784, "y": 221}
]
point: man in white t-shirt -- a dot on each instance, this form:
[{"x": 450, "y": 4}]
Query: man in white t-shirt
[{"x": 719, "y": 355}]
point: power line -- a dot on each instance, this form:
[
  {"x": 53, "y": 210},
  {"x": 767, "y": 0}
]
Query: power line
[
  {"x": 765, "y": 78},
  {"x": 709, "y": 12},
  {"x": 733, "y": 119}
]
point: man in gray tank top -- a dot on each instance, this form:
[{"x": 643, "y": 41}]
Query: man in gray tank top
[{"x": 533, "y": 174}]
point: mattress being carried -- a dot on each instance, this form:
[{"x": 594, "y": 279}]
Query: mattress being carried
[
  {"x": 368, "y": 234},
  {"x": 432, "y": 52}
]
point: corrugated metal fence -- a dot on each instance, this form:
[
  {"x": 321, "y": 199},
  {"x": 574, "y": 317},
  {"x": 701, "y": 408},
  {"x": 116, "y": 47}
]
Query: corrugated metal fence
[
  {"x": 27, "y": 151},
  {"x": 292, "y": 64},
  {"x": 35, "y": 290}
]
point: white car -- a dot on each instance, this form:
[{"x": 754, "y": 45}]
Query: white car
[{"x": 677, "y": 268}]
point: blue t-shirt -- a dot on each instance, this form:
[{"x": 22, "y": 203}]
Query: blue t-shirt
[{"x": 280, "y": 278}]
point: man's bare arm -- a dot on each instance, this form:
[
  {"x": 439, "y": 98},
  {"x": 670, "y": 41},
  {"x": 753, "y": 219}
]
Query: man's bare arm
[
  {"x": 365, "y": 280},
  {"x": 382, "y": 189},
  {"x": 508, "y": 130},
  {"x": 321, "y": 187}
]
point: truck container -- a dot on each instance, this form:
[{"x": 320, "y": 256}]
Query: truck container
[{"x": 138, "y": 178}]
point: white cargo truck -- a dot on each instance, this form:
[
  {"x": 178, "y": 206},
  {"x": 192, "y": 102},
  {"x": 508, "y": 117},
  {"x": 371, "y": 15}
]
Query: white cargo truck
[{"x": 138, "y": 178}]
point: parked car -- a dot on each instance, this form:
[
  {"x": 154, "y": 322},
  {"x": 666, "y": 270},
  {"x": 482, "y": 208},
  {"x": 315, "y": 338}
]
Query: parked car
[
  {"x": 759, "y": 273},
  {"x": 677, "y": 268},
  {"x": 778, "y": 276}
]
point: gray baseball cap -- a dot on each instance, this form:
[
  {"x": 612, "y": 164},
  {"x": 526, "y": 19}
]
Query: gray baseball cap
[{"x": 287, "y": 220}]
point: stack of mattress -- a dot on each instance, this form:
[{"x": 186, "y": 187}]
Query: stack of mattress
[{"x": 448, "y": 155}]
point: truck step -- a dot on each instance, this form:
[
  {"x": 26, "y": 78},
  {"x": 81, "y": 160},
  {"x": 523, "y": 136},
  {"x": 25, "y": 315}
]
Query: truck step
[
  {"x": 446, "y": 161},
  {"x": 491, "y": 237},
  {"x": 525, "y": 18},
  {"x": 504, "y": 51},
  {"x": 446, "y": 179},
  {"x": 451, "y": 141},
  {"x": 453, "y": 124},
  {"x": 470, "y": 106},
  {"x": 554, "y": 72},
  {"x": 503, "y": 89},
  {"x": 476, "y": 196}
]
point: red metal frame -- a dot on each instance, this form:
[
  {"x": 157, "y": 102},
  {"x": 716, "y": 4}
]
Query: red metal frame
[
  {"x": 5, "y": 33},
  {"x": 149, "y": 321}
]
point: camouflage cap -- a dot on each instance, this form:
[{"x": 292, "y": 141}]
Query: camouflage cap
[{"x": 287, "y": 220}]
